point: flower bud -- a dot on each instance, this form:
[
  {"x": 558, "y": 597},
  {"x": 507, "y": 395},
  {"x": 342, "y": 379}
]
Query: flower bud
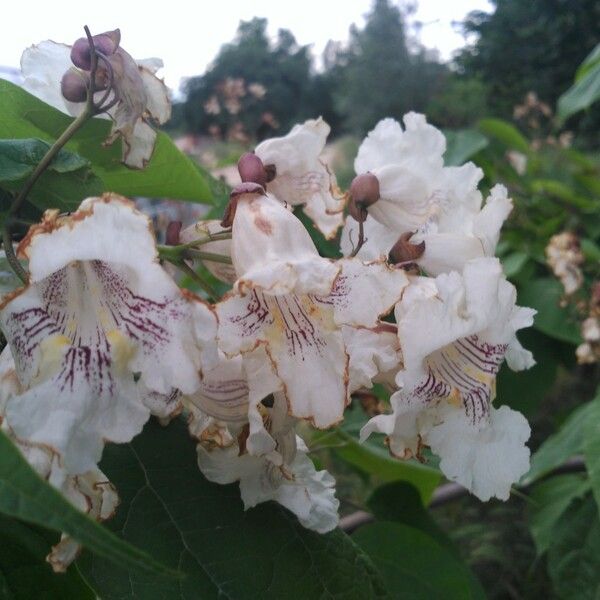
[
  {"x": 252, "y": 170},
  {"x": 106, "y": 43},
  {"x": 364, "y": 189},
  {"x": 172, "y": 234},
  {"x": 403, "y": 252},
  {"x": 74, "y": 85}
]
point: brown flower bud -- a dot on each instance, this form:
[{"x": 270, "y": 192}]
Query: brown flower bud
[
  {"x": 364, "y": 189},
  {"x": 251, "y": 169},
  {"x": 172, "y": 234},
  {"x": 106, "y": 43},
  {"x": 403, "y": 252},
  {"x": 74, "y": 85}
]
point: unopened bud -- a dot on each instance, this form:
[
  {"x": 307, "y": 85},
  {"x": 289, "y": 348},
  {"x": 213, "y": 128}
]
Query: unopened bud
[
  {"x": 106, "y": 43},
  {"x": 403, "y": 252},
  {"x": 172, "y": 234},
  {"x": 74, "y": 85},
  {"x": 364, "y": 189},
  {"x": 252, "y": 170}
]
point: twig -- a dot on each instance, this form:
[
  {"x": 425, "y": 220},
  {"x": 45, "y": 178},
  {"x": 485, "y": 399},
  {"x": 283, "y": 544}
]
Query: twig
[{"x": 449, "y": 492}]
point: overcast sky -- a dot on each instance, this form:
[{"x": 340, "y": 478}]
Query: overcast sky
[{"x": 187, "y": 35}]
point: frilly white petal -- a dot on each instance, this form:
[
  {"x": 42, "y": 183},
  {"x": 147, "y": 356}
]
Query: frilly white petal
[
  {"x": 308, "y": 493},
  {"x": 158, "y": 105},
  {"x": 272, "y": 250},
  {"x": 301, "y": 177},
  {"x": 486, "y": 460}
]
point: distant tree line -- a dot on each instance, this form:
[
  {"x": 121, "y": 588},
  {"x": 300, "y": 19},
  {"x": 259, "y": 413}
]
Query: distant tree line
[{"x": 256, "y": 87}]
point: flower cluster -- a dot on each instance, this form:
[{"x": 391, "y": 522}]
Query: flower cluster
[{"x": 102, "y": 337}]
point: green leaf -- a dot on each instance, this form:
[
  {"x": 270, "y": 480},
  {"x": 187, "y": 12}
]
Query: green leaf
[
  {"x": 563, "y": 192},
  {"x": 584, "y": 92},
  {"x": 462, "y": 144},
  {"x": 25, "y": 495},
  {"x": 413, "y": 564},
  {"x": 169, "y": 174},
  {"x": 574, "y": 554},
  {"x": 560, "y": 446},
  {"x": 549, "y": 500},
  {"x": 505, "y": 133},
  {"x": 525, "y": 390},
  {"x": 171, "y": 511},
  {"x": 24, "y": 572},
  {"x": 544, "y": 295},
  {"x": 18, "y": 158},
  {"x": 591, "y": 446},
  {"x": 513, "y": 263},
  {"x": 590, "y": 249}
]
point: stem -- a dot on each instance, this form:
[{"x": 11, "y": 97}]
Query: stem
[
  {"x": 212, "y": 237},
  {"x": 11, "y": 257},
  {"x": 183, "y": 266},
  {"x": 66, "y": 135},
  {"x": 210, "y": 256}
]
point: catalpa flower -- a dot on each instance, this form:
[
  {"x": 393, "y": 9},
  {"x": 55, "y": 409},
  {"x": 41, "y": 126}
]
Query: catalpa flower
[
  {"x": 289, "y": 306},
  {"x": 90, "y": 492},
  {"x": 454, "y": 332},
  {"x": 284, "y": 473},
  {"x": 440, "y": 208},
  {"x": 139, "y": 96},
  {"x": 99, "y": 327},
  {"x": 292, "y": 169}
]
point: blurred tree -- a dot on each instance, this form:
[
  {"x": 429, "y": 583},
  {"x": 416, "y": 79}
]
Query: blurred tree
[
  {"x": 460, "y": 103},
  {"x": 529, "y": 46},
  {"x": 255, "y": 87},
  {"x": 377, "y": 75}
]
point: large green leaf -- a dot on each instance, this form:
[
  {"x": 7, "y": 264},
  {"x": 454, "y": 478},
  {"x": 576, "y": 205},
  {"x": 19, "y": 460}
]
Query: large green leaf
[
  {"x": 591, "y": 446},
  {"x": 413, "y": 564},
  {"x": 24, "y": 572},
  {"x": 171, "y": 511},
  {"x": 462, "y": 144},
  {"x": 544, "y": 295},
  {"x": 25, "y": 495},
  {"x": 586, "y": 89},
  {"x": 505, "y": 133},
  {"x": 64, "y": 184},
  {"x": 169, "y": 174},
  {"x": 549, "y": 500},
  {"x": 564, "y": 444},
  {"x": 574, "y": 554}
]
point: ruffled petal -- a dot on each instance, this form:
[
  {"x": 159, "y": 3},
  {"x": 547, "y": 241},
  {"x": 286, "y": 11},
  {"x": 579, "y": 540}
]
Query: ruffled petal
[
  {"x": 485, "y": 459},
  {"x": 98, "y": 310},
  {"x": 301, "y": 178},
  {"x": 272, "y": 250}
]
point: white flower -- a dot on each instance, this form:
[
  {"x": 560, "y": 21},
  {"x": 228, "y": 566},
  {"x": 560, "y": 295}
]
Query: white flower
[
  {"x": 283, "y": 472},
  {"x": 99, "y": 326},
  {"x": 289, "y": 305},
  {"x": 454, "y": 334},
  {"x": 90, "y": 492},
  {"x": 141, "y": 95},
  {"x": 440, "y": 205},
  {"x": 301, "y": 178}
]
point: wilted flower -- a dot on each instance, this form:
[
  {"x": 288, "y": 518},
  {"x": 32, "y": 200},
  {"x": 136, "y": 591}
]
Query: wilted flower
[
  {"x": 454, "y": 332},
  {"x": 138, "y": 94},
  {"x": 565, "y": 258},
  {"x": 440, "y": 206},
  {"x": 99, "y": 327}
]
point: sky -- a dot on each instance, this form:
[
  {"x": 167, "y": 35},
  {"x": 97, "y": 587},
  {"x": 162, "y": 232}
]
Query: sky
[{"x": 187, "y": 35}]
